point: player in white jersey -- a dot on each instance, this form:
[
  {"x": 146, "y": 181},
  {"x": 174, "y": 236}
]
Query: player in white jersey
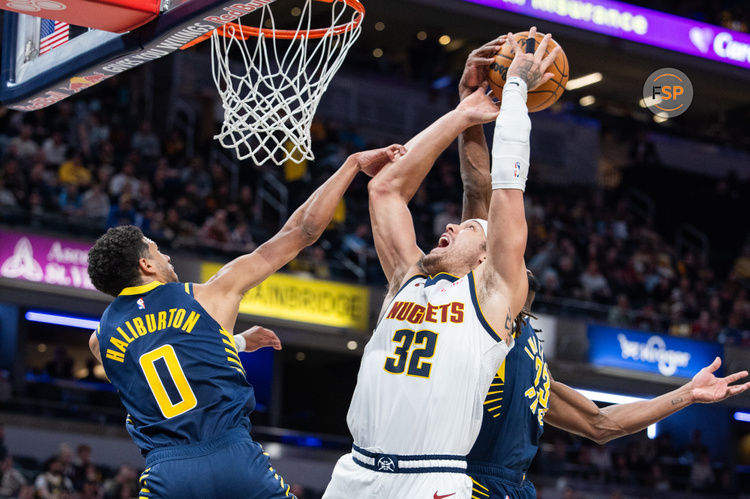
[{"x": 446, "y": 323}]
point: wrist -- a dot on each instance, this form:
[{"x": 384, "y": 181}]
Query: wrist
[
  {"x": 687, "y": 392},
  {"x": 464, "y": 92},
  {"x": 516, "y": 84},
  {"x": 352, "y": 162},
  {"x": 240, "y": 342},
  {"x": 460, "y": 118}
]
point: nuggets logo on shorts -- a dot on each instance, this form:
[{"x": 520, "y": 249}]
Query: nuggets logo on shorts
[{"x": 386, "y": 464}]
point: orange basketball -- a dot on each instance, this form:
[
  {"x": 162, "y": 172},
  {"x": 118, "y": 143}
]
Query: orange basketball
[{"x": 543, "y": 96}]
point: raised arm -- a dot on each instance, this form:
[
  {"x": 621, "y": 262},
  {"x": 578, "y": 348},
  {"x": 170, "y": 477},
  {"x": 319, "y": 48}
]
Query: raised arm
[
  {"x": 472, "y": 144},
  {"x": 502, "y": 281},
  {"x": 221, "y": 294},
  {"x": 573, "y": 412},
  {"x": 392, "y": 189}
]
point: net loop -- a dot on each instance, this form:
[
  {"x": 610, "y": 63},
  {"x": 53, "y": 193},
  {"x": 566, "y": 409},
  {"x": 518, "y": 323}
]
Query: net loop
[{"x": 271, "y": 80}]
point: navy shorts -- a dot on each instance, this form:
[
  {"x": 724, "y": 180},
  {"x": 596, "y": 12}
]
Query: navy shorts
[
  {"x": 497, "y": 482},
  {"x": 230, "y": 466}
]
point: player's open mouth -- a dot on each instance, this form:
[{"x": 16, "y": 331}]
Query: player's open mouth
[{"x": 444, "y": 241}]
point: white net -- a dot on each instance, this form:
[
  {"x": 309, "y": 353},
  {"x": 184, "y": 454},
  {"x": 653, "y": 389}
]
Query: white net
[{"x": 271, "y": 86}]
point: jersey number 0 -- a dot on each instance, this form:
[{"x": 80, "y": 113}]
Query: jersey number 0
[
  {"x": 414, "y": 357},
  {"x": 148, "y": 365}
]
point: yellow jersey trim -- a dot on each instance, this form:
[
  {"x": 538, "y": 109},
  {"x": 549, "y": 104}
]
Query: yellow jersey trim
[{"x": 140, "y": 290}]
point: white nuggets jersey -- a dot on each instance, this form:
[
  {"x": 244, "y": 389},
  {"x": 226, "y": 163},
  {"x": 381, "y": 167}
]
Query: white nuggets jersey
[{"x": 426, "y": 371}]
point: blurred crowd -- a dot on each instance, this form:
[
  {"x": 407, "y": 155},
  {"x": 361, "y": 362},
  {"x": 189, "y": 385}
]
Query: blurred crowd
[
  {"x": 74, "y": 168},
  {"x": 595, "y": 249},
  {"x": 623, "y": 466},
  {"x": 567, "y": 464}
]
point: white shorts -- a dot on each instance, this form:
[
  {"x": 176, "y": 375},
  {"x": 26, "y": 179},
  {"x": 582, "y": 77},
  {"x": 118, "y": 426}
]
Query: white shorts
[{"x": 350, "y": 480}]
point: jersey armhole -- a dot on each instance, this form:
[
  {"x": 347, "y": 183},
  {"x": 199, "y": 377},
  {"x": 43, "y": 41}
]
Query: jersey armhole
[
  {"x": 393, "y": 299},
  {"x": 189, "y": 288},
  {"x": 480, "y": 315}
]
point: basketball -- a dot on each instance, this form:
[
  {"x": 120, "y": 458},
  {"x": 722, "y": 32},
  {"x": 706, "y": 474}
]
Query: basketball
[{"x": 543, "y": 96}]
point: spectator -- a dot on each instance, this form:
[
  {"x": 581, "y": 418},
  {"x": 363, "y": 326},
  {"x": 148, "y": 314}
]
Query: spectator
[
  {"x": 7, "y": 199},
  {"x": 122, "y": 213},
  {"x": 659, "y": 482},
  {"x": 69, "y": 201},
  {"x": 146, "y": 142},
  {"x": 215, "y": 232},
  {"x": 124, "y": 182},
  {"x": 357, "y": 242},
  {"x": 55, "y": 149},
  {"x": 124, "y": 484},
  {"x": 27, "y": 492},
  {"x": 701, "y": 473},
  {"x": 53, "y": 484},
  {"x": 594, "y": 284},
  {"x": 12, "y": 480},
  {"x": 82, "y": 464},
  {"x": 620, "y": 315},
  {"x": 61, "y": 365},
  {"x": 242, "y": 239},
  {"x": 23, "y": 145},
  {"x": 73, "y": 171},
  {"x": 95, "y": 203}
]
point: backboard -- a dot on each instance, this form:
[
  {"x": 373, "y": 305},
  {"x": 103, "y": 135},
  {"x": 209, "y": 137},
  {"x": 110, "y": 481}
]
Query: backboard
[{"x": 30, "y": 81}]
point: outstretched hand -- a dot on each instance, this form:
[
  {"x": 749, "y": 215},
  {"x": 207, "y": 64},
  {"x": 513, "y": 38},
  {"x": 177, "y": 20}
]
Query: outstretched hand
[
  {"x": 258, "y": 337},
  {"x": 476, "y": 70},
  {"x": 479, "y": 107},
  {"x": 531, "y": 67},
  {"x": 372, "y": 161},
  {"x": 707, "y": 388}
]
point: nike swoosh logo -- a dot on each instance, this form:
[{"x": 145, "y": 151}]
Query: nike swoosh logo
[{"x": 436, "y": 496}]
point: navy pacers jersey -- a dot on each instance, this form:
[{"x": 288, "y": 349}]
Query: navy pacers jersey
[
  {"x": 514, "y": 408},
  {"x": 177, "y": 370}
]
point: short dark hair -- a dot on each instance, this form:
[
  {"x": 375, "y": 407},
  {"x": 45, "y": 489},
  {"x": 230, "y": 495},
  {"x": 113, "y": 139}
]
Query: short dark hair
[{"x": 113, "y": 261}]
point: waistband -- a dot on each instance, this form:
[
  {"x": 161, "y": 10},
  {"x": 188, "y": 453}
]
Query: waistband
[
  {"x": 399, "y": 463},
  {"x": 496, "y": 471},
  {"x": 198, "y": 449}
]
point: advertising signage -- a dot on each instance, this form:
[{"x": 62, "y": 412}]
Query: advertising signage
[
  {"x": 44, "y": 259},
  {"x": 649, "y": 352},
  {"x": 638, "y": 24},
  {"x": 312, "y": 301}
]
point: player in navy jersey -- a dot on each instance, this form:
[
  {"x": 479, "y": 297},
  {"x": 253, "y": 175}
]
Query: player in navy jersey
[
  {"x": 523, "y": 395},
  {"x": 169, "y": 350}
]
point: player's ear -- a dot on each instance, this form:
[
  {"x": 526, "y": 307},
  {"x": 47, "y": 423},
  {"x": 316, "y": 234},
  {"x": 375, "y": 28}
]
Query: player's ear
[{"x": 146, "y": 267}]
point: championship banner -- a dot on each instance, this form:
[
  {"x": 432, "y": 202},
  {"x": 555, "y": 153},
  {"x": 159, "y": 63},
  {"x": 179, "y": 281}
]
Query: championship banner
[
  {"x": 312, "y": 301},
  {"x": 649, "y": 352},
  {"x": 638, "y": 24},
  {"x": 44, "y": 259}
]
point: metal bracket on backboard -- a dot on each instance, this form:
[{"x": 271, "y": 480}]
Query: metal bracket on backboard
[{"x": 97, "y": 55}]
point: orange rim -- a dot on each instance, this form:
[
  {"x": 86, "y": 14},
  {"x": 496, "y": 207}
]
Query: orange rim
[{"x": 245, "y": 32}]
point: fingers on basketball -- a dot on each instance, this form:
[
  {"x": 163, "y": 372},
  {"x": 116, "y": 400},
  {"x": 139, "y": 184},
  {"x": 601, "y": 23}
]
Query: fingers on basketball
[
  {"x": 542, "y": 48},
  {"x": 553, "y": 61}
]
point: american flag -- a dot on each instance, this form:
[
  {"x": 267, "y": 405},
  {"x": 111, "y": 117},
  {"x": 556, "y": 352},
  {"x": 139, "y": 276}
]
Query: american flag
[{"x": 52, "y": 34}]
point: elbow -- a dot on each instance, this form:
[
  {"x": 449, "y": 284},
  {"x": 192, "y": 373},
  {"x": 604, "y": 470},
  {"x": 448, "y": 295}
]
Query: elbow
[
  {"x": 600, "y": 436},
  {"x": 301, "y": 231},
  {"x": 307, "y": 234},
  {"x": 603, "y": 429}
]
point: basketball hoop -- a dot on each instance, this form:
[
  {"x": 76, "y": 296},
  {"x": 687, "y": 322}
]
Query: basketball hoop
[{"x": 270, "y": 100}]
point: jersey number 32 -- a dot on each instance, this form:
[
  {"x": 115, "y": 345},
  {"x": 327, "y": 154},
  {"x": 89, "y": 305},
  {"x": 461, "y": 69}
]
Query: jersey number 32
[{"x": 412, "y": 349}]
